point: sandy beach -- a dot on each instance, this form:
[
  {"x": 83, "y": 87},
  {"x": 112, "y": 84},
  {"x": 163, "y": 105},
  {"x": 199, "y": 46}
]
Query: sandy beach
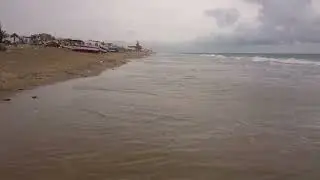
[{"x": 30, "y": 66}]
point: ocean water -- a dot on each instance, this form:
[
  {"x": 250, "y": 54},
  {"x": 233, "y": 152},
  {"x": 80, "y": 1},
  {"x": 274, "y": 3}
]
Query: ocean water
[{"x": 171, "y": 116}]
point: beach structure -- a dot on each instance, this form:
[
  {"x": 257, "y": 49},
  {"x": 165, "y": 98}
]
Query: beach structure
[
  {"x": 52, "y": 44},
  {"x": 85, "y": 49},
  {"x": 70, "y": 42},
  {"x": 25, "y": 39},
  {"x": 42, "y": 38},
  {"x": 89, "y": 47},
  {"x": 137, "y": 47}
]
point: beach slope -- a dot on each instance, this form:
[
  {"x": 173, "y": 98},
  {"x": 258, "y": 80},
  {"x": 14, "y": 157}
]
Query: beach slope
[{"x": 30, "y": 66}]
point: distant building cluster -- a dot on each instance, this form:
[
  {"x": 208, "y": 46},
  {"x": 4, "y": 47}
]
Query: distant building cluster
[
  {"x": 48, "y": 40},
  {"x": 44, "y": 39}
]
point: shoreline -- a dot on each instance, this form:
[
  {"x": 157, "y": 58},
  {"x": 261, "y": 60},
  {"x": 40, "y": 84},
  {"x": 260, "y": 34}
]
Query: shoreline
[{"x": 25, "y": 68}]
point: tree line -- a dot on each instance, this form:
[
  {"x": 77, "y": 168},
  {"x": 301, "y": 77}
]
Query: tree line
[{"x": 35, "y": 38}]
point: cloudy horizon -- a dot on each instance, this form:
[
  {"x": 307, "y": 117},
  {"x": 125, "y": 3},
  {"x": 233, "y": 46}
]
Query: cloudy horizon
[{"x": 202, "y": 25}]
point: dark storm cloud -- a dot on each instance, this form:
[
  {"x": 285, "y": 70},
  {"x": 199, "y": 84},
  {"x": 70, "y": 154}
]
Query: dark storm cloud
[
  {"x": 278, "y": 22},
  {"x": 224, "y": 17}
]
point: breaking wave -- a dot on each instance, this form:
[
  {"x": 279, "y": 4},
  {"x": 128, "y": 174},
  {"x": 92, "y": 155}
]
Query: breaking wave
[
  {"x": 272, "y": 60},
  {"x": 285, "y": 61},
  {"x": 216, "y": 56},
  {"x": 207, "y": 55}
]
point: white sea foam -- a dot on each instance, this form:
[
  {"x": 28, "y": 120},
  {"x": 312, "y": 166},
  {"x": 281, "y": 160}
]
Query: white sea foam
[
  {"x": 208, "y": 55},
  {"x": 221, "y": 56},
  {"x": 285, "y": 61},
  {"x": 292, "y": 61}
]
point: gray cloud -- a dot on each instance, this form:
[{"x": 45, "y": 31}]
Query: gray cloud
[
  {"x": 224, "y": 17},
  {"x": 279, "y": 22},
  {"x": 227, "y": 24},
  {"x": 127, "y": 20}
]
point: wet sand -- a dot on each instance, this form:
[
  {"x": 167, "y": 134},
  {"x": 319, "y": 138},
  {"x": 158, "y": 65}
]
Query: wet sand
[{"x": 29, "y": 66}]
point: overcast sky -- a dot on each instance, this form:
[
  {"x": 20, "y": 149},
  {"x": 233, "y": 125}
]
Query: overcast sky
[{"x": 228, "y": 25}]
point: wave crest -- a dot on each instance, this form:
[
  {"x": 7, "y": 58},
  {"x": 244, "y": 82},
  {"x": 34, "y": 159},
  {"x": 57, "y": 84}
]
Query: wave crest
[
  {"x": 285, "y": 61},
  {"x": 207, "y": 55}
]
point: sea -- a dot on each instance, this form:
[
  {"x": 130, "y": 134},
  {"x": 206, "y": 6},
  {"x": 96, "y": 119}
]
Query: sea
[{"x": 179, "y": 116}]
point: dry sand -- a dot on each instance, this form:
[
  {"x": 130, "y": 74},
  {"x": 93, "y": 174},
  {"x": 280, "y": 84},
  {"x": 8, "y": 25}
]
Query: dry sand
[{"x": 29, "y": 66}]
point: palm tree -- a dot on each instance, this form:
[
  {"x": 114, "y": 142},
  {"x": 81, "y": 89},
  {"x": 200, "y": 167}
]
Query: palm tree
[
  {"x": 3, "y": 34},
  {"x": 14, "y": 36}
]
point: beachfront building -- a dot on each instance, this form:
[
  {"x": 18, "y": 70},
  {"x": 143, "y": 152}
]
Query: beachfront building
[
  {"x": 15, "y": 39},
  {"x": 70, "y": 42},
  {"x": 12, "y": 39},
  {"x": 26, "y": 39},
  {"x": 93, "y": 43},
  {"x": 41, "y": 38},
  {"x": 137, "y": 47}
]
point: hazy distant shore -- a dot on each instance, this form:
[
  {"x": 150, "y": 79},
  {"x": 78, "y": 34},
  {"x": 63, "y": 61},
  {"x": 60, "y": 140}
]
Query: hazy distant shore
[{"x": 31, "y": 66}]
